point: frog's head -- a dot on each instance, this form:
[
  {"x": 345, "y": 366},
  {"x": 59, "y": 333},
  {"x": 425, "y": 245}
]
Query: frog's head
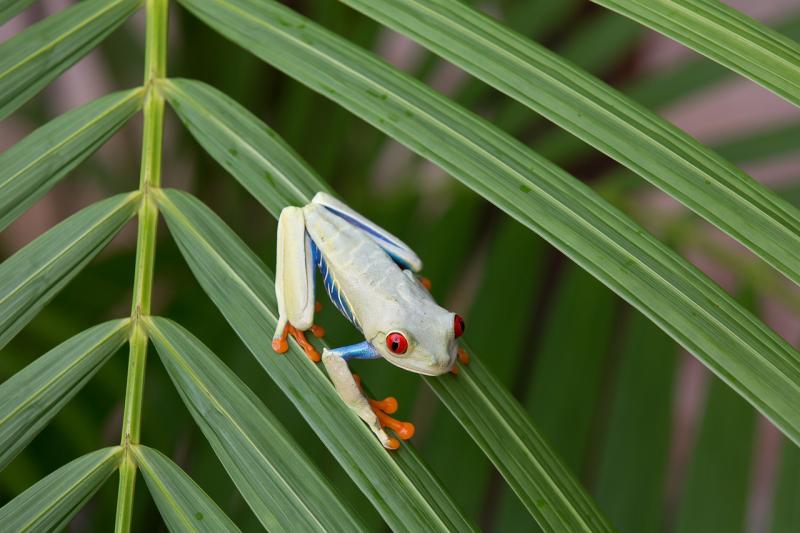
[{"x": 424, "y": 341}]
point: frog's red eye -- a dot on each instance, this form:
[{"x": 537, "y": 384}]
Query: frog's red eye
[
  {"x": 458, "y": 326},
  {"x": 396, "y": 343}
]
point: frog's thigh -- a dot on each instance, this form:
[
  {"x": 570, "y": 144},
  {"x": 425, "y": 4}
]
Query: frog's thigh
[
  {"x": 399, "y": 251},
  {"x": 294, "y": 272}
]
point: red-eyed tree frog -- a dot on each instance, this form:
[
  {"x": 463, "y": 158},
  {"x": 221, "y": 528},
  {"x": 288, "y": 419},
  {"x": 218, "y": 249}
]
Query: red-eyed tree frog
[{"x": 370, "y": 276}]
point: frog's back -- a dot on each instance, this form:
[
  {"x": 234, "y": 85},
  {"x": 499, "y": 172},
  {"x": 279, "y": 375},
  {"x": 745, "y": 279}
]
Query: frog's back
[{"x": 361, "y": 278}]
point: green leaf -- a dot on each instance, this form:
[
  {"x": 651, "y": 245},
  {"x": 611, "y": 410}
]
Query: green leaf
[
  {"x": 682, "y": 301},
  {"x": 756, "y": 146},
  {"x": 786, "y": 504},
  {"x": 718, "y": 484},
  {"x": 240, "y": 142},
  {"x": 596, "y": 44},
  {"x": 666, "y": 86},
  {"x": 724, "y": 35},
  {"x": 747, "y": 147},
  {"x": 33, "y": 166},
  {"x": 182, "y": 503},
  {"x": 497, "y": 422},
  {"x": 32, "y": 59},
  {"x": 570, "y": 354},
  {"x": 283, "y": 488},
  {"x": 36, "y": 273},
  {"x": 407, "y": 496},
  {"x": 657, "y": 90},
  {"x": 9, "y": 8},
  {"x": 52, "y": 502},
  {"x": 633, "y": 457},
  {"x": 575, "y": 343},
  {"x": 593, "y": 111},
  {"x": 513, "y": 277},
  {"x": 33, "y": 396},
  {"x": 663, "y": 87}
]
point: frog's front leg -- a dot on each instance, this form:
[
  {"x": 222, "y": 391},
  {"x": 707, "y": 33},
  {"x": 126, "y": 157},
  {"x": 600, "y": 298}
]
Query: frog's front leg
[{"x": 374, "y": 412}]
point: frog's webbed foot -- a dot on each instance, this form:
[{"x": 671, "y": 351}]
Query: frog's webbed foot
[
  {"x": 280, "y": 344},
  {"x": 384, "y": 408}
]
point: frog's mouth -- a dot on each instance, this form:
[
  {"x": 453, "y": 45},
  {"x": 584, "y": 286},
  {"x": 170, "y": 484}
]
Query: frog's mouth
[
  {"x": 437, "y": 370},
  {"x": 423, "y": 367}
]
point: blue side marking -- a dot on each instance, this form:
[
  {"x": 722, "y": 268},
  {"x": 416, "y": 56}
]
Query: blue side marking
[
  {"x": 361, "y": 350},
  {"x": 356, "y": 223},
  {"x": 331, "y": 288}
]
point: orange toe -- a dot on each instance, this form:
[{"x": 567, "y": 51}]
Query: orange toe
[
  {"x": 463, "y": 356},
  {"x": 393, "y": 443},
  {"x": 317, "y": 330},
  {"x": 387, "y": 405},
  {"x": 404, "y": 430},
  {"x": 454, "y": 370},
  {"x": 300, "y": 337},
  {"x": 280, "y": 344}
]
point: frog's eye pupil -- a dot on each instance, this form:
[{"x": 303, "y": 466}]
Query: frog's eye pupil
[
  {"x": 396, "y": 343},
  {"x": 458, "y": 326}
]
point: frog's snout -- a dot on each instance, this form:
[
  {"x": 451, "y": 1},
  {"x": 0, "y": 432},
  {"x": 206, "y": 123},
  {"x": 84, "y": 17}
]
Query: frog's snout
[
  {"x": 445, "y": 365},
  {"x": 436, "y": 365}
]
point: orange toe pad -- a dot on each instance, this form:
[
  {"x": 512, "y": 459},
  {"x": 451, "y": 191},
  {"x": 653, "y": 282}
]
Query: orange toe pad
[{"x": 280, "y": 345}]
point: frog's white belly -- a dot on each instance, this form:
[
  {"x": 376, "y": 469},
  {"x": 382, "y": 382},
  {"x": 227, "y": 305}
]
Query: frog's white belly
[{"x": 369, "y": 282}]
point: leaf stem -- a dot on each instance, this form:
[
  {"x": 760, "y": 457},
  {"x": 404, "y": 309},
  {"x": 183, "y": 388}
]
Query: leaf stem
[{"x": 150, "y": 178}]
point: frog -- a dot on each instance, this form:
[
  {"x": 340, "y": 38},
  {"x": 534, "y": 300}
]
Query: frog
[{"x": 373, "y": 279}]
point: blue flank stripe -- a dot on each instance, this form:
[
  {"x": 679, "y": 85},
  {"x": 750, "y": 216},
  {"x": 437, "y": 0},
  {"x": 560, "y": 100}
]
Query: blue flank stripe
[{"x": 333, "y": 291}]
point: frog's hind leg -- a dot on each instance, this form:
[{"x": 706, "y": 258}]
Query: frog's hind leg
[
  {"x": 374, "y": 412},
  {"x": 400, "y": 252},
  {"x": 294, "y": 284}
]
